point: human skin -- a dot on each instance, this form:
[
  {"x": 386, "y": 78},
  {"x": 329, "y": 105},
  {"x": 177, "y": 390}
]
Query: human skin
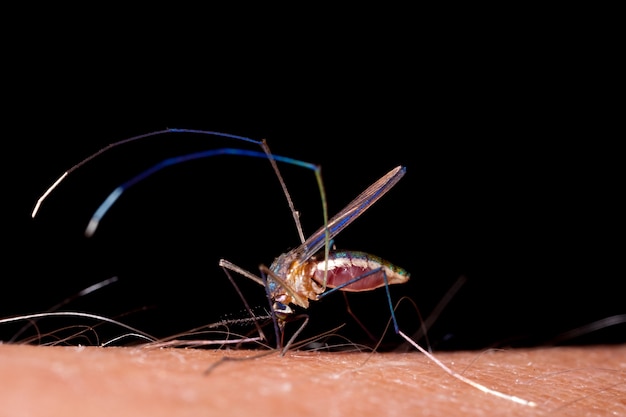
[{"x": 132, "y": 381}]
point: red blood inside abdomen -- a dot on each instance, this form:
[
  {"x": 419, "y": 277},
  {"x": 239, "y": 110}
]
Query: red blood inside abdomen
[{"x": 340, "y": 275}]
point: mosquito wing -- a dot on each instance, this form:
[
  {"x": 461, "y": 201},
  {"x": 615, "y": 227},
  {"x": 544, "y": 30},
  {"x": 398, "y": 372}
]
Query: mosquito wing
[{"x": 353, "y": 210}]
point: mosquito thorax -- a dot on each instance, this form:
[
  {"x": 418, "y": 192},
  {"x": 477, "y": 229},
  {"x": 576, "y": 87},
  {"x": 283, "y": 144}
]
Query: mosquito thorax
[{"x": 289, "y": 280}]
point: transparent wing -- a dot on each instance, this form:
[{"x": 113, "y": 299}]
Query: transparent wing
[{"x": 353, "y": 210}]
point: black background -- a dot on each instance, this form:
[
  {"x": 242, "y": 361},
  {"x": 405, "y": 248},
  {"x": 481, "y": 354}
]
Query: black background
[{"x": 514, "y": 177}]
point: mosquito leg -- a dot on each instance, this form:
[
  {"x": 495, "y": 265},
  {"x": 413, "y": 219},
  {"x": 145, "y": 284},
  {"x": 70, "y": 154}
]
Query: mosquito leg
[
  {"x": 429, "y": 355},
  {"x": 226, "y": 266},
  {"x": 360, "y": 277},
  {"x": 449, "y": 371},
  {"x": 297, "y": 333},
  {"x": 356, "y": 319}
]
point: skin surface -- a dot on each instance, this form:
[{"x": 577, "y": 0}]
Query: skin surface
[{"x": 127, "y": 381}]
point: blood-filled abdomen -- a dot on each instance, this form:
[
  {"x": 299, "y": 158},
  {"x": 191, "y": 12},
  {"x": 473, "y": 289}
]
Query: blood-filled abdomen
[{"x": 366, "y": 270}]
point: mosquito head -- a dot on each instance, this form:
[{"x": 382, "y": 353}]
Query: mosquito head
[{"x": 282, "y": 311}]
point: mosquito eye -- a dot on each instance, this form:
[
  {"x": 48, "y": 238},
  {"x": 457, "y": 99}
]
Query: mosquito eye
[{"x": 282, "y": 310}]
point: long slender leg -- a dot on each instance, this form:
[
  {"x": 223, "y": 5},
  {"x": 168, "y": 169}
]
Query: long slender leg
[
  {"x": 266, "y": 154},
  {"x": 424, "y": 351},
  {"x": 134, "y": 139},
  {"x": 293, "y": 337},
  {"x": 356, "y": 319},
  {"x": 360, "y": 277},
  {"x": 226, "y": 266}
]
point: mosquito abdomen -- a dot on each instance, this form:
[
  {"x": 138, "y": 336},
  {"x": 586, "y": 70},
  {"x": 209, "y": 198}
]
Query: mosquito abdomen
[{"x": 345, "y": 266}]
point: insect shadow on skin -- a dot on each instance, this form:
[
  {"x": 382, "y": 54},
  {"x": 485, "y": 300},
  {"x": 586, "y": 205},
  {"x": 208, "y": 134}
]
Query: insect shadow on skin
[{"x": 308, "y": 272}]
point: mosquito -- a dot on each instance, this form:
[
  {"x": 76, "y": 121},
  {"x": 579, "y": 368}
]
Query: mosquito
[{"x": 308, "y": 272}]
